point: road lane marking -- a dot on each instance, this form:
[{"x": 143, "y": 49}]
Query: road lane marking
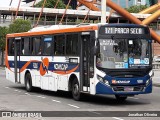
[
  {"x": 117, "y": 118},
  {"x": 73, "y": 106},
  {"x": 27, "y": 93},
  {"x": 133, "y": 98},
  {"x": 95, "y": 112},
  {"x": 17, "y": 90},
  {"x": 7, "y": 87},
  {"x": 56, "y": 101},
  {"x": 41, "y": 97}
]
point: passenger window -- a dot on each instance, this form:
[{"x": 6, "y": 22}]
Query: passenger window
[
  {"x": 37, "y": 47},
  {"x": 26, "y": 50},
  {"x": 72, "y": 44},
  {"x": 47, "y": 45},
  {"x": 22, "y": 46},
  {"x": 11, "y": 47},
  {"x": 59, "y": 45}
]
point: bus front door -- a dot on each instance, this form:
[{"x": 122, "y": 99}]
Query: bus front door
[
  {"x": 85, "y": 62},
  {"x": 17, "y": 59}
]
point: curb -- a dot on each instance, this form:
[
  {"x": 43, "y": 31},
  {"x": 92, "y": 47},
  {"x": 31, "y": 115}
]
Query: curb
[
  {"x": 156, "y": 85},
  {"x": 3, "y": 68}
]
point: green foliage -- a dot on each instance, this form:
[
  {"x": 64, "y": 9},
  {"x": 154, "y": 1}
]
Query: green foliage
[
  {"x": 19, "y": 25},
  {"x": 136, "y": 8},
  {"x": 3, "y": 33},
  {"x": 51, "y": 4}
]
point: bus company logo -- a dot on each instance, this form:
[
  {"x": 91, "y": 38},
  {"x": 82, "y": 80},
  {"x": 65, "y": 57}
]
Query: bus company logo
[
  {"x": 60, "y": 66},
  {"x": 120, "y": 81},
  {"x": 44, "y": 66}
]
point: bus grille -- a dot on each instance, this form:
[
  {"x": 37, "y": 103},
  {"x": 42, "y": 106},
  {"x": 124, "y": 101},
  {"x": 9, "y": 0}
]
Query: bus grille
[{"x": 128, "y": 88}]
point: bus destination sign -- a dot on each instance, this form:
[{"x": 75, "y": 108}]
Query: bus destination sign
[{"x": 122, "y": 30}]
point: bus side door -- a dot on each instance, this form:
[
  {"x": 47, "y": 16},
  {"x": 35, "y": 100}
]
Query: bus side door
[
  {"x": 87, "y": 59},
  {"x": 17, "y": 53}
]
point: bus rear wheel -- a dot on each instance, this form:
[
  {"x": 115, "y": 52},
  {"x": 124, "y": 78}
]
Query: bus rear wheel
[
  {"x": 75, "y": 90},
  {"x": 28, "y": 82},
  {"x": 120, "y": 98}
]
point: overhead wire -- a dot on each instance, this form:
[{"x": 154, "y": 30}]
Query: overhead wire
[
  {"x": 56, "y": 4},
  {"x": 78, "y": 5},
  {"x": 17, "y": 9},
  {"x": 64, "y": 12},
  {"x": 110, "y": 13},
  {"x": 40, "y": 13},
  {"x": 33, "y": 3},
  {"x": 88, "y": 11}
]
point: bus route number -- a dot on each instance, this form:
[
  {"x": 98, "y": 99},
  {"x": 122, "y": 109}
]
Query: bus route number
[{"x": 113, "y": 30}]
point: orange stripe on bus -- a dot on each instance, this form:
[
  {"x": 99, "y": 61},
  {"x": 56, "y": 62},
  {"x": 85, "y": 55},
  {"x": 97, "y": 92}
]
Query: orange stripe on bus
[{"x": 26, "y": 65}]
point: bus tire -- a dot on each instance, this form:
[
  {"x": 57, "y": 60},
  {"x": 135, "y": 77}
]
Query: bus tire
[
  {"x": 75, "y": 90},
  {"x": 120, "y": 98},
  {"x": 28, "y": 82}
]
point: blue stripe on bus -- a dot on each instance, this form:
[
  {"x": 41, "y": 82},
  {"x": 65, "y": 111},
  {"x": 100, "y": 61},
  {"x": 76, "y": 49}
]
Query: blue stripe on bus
[{"x": 50, "y": 68}]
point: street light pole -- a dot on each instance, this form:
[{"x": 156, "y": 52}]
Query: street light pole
[{"x": 103, "y": 11}]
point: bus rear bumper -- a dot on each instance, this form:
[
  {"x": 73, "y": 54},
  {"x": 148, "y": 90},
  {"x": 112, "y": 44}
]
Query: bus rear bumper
[{"x": 104, "y": 89}]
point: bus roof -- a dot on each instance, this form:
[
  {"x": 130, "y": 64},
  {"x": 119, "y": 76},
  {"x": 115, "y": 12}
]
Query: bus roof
[
  {"x": 46, "y": 30},
  {"x": 55, "y": 29}
]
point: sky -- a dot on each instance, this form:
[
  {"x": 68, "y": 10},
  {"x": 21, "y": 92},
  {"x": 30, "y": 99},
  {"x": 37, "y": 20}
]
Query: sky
[{"x": 4, "y": 3}]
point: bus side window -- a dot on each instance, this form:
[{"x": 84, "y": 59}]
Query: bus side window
[
  {"x": 59, "y": 45},
  {"x": 37, "y": 48},
  {"x": 11, "y": 47},
  {"x": 72, "y": 44},
  {"x": 26, "y": 46},
  {"x": 22, "y": 46},
  {"x": 47, "y": 45}
]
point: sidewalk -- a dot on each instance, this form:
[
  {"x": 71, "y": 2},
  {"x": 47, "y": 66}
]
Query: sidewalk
[
  {"x": 2, "y": 67},
  {"x": 156, "y": 78}
]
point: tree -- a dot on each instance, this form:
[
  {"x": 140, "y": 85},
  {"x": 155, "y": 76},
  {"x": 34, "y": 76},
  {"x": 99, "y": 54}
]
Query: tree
[
  {"x": 20, "y": 25},
  {"x": 3, "y": 33},
  {"x": 51, "y": 4},
  {"x": 136, "y": 8}
]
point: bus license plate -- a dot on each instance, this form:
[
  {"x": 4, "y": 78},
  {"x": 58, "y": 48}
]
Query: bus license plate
[{"x": 128, "y": 88}]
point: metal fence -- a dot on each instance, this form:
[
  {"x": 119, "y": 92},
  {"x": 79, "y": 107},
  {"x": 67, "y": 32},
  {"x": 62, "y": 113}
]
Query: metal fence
[{"x": 156, "y": 65}]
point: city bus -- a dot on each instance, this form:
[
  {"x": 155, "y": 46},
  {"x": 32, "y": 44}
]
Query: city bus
[{"x": 108, "y": 59}]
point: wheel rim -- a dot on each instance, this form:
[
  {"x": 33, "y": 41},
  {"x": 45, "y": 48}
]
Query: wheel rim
[{"x": 75, "y": 89}]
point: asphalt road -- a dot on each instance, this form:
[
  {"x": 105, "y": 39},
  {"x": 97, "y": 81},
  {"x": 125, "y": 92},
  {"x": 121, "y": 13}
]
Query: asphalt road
[{"x": 13, "y": 97}]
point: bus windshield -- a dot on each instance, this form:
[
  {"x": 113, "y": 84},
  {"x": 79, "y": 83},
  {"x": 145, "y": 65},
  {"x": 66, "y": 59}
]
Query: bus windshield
[{"x": 123, "y": 53}]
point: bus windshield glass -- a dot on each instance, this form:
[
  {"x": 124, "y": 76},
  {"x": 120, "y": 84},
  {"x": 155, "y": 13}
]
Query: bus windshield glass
[{"x": 123, "y": 53}]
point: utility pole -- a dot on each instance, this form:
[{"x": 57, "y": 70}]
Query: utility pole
[{"x": 103, "y": 11}]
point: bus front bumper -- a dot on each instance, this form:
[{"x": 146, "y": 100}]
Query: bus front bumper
[{"x": 101, "y": 88}]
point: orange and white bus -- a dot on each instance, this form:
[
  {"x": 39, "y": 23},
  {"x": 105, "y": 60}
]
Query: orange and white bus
[{"x": 95, "y": 59}]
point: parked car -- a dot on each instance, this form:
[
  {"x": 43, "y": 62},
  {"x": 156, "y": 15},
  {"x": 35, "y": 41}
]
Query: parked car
[{"x": 156, "y": 59}]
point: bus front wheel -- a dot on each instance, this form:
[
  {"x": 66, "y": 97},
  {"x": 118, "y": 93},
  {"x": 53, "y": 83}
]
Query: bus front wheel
[
  {"x": 75, "y": 90},
  {"x": 28, "y": 82},
  {"x": 120, "y": 98}
]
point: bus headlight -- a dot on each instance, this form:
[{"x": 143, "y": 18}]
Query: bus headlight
[
  {"x": 151, "y": 73},
  {"x": 102, "y": 80},
  {"x": 147, "y": 82},
  {"x": 99, "y": 78},
  {"x": 106, "y": 82}
]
